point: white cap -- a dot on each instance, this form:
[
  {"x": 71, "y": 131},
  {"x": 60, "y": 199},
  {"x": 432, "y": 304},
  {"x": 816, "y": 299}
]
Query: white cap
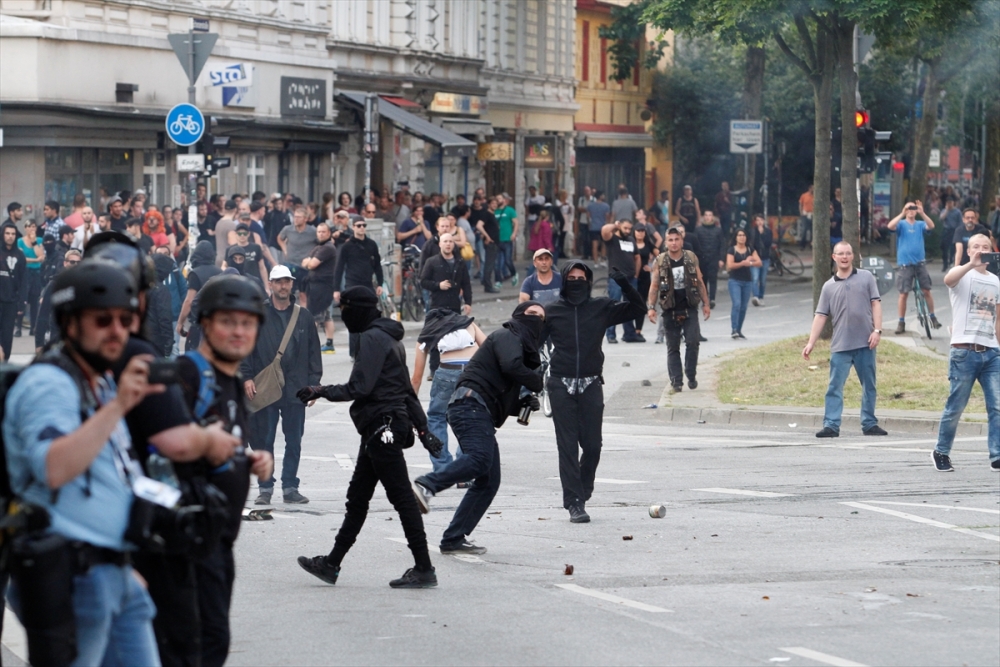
[{"x": 280, "y": 271}]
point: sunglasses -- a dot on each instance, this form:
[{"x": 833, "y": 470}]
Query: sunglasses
[
  {"x": 71, "y": 262},
  {"x": 243, "y": 233},
  {"x": 360, "y": 224},
  {"x": 104, "y": 321}
]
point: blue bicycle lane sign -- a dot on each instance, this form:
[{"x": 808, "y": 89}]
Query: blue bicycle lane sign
[{"x": 185, "y": 124}]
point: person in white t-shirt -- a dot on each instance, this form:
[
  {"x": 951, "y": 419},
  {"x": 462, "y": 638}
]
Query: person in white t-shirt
[{"x": 975, "y": 351}]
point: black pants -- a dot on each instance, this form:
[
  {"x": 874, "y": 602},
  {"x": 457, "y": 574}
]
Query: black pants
[
  {"x": 711, "y": 276},
  {"x": 692, "y": 338},
  {"x": 643, "y": 287},
  {"x": 215, "y": 575},
  {"x": 578, "y": 419},
  {"x": 383, "y": 463},
  {"x": 174, "y": 589},
  {"x": 34, "y": 279},
  {"x": 489, "y": 268},
  {"x": 8, "y": 318}
]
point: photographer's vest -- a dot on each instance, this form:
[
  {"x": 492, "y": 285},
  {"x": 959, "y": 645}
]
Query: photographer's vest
[{"x": 667, "y": 280}]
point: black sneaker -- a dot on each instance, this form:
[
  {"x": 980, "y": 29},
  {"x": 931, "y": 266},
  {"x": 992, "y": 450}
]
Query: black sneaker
[
  {"x": 995, "y": 465},
  {"x": 320, "y": 568},
  {"x": 423, "y": 496},
  {"x": 293, "y": 497},
  {"x": 828, "y": 432},
  {"x": 875, "y": 430},
  {"x": 463, "y": 547},
  {"x": 263, "y": 498},
  {"x": 577, "y": 514},
  {"x": 613, "y": 341},
  {"x": 943, "y": 462},
  {"x": 413, "y": 578},
  {"x": 692, "y": 384}
]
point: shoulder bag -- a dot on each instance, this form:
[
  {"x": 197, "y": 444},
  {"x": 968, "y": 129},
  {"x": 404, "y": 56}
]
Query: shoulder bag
[{"x": 271, "y": 381}]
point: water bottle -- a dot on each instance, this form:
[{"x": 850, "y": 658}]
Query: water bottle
[
  {"x": 228, "y": 465},
  {"x": 161, "y": 469}
]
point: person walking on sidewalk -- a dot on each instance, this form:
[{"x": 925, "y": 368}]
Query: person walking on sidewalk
[
  {"x": 385, "y": 412},
  {"x": 357, "y": 262},
  {"x": 911, "y": 257},
  {"x": 624, "y": 258},
  {"x": 762, "y": 238},
  {"x": 975, "y": 351},
  {"x": 13, "y": 288},
  {"x": 488, "y": 391},
  {"x": 575, "y": 324},
  {"x": 678, "y": 287},
  {"x": 711, "y": 252},
  {"x": 851, "y": 298},
  {"x": 740, "y": 260}
]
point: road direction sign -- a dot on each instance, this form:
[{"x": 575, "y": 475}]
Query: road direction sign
[
  {"x": 190, "y": 162},
  {"x": 185, "y": 124},
  {"x": 935, "y": 159},
  {"x": 203, "y": 45},
  {"x": 746, "y": 136}
]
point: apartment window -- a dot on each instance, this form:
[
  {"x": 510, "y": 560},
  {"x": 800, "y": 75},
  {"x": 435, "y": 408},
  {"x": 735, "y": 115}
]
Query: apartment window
[
  {"x": 154, "y": 176},
  {"x": 255, "y": 173},
  {"x": 585, "y": 54},
  {"x": 95, "y": 173},
  {"x": 604, "y": 60}
]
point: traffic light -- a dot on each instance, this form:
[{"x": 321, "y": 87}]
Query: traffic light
[
  {"x": 209, "y": 147},
  {"x": 866, "y": 150},
  {"x": 861, "y": 118}
]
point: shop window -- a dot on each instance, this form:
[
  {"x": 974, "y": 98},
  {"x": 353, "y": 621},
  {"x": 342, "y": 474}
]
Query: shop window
[
  {"x": 154, "y": 176},
  {"x": 255, "y": 173}
]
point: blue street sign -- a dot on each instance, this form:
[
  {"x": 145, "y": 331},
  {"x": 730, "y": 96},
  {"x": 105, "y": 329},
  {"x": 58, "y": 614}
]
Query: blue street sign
[{"x": 185, "y": 124}]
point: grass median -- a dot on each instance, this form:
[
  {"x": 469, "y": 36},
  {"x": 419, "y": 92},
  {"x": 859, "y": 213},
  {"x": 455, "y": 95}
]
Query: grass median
[{"x": 776, "y": 374}]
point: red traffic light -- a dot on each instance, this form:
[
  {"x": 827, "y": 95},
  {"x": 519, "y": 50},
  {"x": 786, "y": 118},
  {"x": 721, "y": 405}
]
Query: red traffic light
[{"x": 861, "y": 118}]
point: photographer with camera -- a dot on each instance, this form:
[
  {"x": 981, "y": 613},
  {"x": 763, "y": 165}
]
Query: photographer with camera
[
  {"x": 910, "y": 254},
  {"x": 678, "y": 289},
  {"x": 76, "y": 463},
  {"x": 488, "y": 391}
]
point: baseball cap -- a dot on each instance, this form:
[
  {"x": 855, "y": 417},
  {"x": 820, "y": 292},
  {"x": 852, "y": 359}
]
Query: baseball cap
[
  {"x": 241, "y": 228},
  {"x": 540, "y": 252},
  {"x": 278, "y": 272}
]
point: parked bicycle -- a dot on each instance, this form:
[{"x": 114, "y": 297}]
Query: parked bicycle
[
  {"x": 412, "y": 297},
  {"x": 786, "y": 261}
]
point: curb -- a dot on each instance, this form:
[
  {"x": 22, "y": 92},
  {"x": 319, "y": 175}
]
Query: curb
[{"x": 805, "y": 421}]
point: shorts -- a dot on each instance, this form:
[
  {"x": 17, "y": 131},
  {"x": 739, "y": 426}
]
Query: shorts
[
  {"x": 905, "y": 276},
  {"x": 323, "y": 316},
  {"x": 300, "y": 276},
  {"x": 319, "y": 299}
]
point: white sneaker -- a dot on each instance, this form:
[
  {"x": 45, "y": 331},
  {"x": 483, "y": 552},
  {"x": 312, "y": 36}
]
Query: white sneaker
[
  {"x": 760, "y": 302},
  {"x": 423, "y": 496},
  {"x": 755, "y": 301}
]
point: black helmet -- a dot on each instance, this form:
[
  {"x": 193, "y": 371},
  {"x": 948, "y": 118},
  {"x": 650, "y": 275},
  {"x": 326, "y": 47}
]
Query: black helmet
[
  {"x": 122, "y": 250},
  {"x": 95, "y": 283},
  {"x": 229, "y": 292}
]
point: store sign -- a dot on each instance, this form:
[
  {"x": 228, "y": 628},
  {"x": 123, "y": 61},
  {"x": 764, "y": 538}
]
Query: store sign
[
  {"x": 231, "y": 75},
  {"x": 303, "y": 97},
  {"x": 190, "y": 162},
  {"x": 495, "y": 151},
  {"x": 452, "y": 103},
  {"x": 540, "y": 152}
]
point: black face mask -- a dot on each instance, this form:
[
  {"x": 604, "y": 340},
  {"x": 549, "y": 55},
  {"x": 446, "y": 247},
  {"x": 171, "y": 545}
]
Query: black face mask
[
  {"x": 577, "y": 291},
  {"x": 357, "y": 319}
]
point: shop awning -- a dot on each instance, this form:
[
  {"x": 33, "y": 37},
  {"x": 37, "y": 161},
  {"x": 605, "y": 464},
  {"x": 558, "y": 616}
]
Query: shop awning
[
  {"x": 467, "y": 126},
  {"x": 451, "y": 144},
  {"x": 613, "y": 140}
]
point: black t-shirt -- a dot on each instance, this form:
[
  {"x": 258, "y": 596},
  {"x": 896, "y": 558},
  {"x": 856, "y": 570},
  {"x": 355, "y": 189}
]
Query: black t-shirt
[
  {"x": 431, "y": 215},
  {"x": 743, "y": 273},
  {"x": 326, "y": 253},
  {"x": 621, "y": 254},
  {"x": 253, "y": 254},
  {"x": 962, "y": 235},
  {"x": 229, "y": 408},
  {"x": 197, "y": 277},
  {"x": 680, "y": 280},
  {"x": 490, "y": 224}
]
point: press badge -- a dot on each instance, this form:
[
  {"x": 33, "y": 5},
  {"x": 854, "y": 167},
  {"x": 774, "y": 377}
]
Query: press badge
[{"x": 155, "y": 492}]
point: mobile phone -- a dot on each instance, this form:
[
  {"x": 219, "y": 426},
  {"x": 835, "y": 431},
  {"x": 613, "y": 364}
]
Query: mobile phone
[
  {"x": 164, "y": 371},
  {"x": 990, "y": 257}
]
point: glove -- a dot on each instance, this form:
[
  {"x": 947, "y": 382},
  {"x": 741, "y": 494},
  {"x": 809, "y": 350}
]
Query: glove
[
  {"x": 531, "y": 401},
  {"x": 619, "y": 277},
  {"x": 307, "y": 394},
  {"x": 431, "y": 443}
]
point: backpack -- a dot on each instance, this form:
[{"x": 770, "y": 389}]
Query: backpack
[{"x": 208, "y": 389}]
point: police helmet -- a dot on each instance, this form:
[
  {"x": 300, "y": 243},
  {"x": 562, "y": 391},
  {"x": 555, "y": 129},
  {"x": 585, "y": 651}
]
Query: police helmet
[
  {"x": 122, "y": 250},
  {"x": 230, "y": 292}
]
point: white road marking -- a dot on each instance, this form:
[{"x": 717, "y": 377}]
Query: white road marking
[
  {"x": 825, "y": 658},
  {"x": 345, "y": 461},
  {"x": 465, "y": 558},
  {"x": 608, "y": 480},
  {"x": 743, "y": 492},
  {"x": 943, "y": 507},
  {"x": 608, "y": 597},
  {"x": 14, "y": 636},
  {"x": 325, "y": 459},
  {"x": 422, "y": 466},
  {"x": 929, "y": 522}
]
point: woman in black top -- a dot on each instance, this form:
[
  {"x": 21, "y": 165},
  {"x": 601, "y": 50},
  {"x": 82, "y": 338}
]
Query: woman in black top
[
  {"x": 740, "y": 258},
  {"x": 645, "y": 248}
]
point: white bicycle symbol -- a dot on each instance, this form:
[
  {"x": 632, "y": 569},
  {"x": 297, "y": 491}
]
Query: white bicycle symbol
[{"x": 185, "y": 124}]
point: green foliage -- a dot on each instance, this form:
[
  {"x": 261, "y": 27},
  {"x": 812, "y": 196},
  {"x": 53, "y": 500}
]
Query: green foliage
[
  {"x": 626, "y": 33},
  {"x": 888, "y": 85}
]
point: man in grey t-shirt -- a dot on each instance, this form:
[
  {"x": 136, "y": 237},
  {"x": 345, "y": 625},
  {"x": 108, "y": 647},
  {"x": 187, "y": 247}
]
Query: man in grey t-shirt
[
  {"x": 297, "y": 241},
  {"x": 851, "y": 297},
  {"x": 623, "y": 208}
]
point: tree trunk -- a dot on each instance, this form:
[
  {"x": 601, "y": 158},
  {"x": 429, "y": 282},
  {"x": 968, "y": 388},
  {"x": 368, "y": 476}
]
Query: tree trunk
[
  {"x": 753, "y": 94},
  {"x": 851, "y": 226},
  {"x": 925, "y": 133},
  {"x": 991, "y": 177},
  {"x": 823, "y": 97}
]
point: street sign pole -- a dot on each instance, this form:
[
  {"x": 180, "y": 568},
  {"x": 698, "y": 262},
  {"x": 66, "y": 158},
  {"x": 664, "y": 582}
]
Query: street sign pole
[
  {"x": 370, "y": 102},
  {"x": 193, "y": 232}
]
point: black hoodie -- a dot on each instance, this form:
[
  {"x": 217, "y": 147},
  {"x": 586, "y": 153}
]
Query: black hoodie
[
  {"x": 13, "y": 281},
  {"x": 577, "y": 332},
  {"x": 497, "y": 371},
  {"x": 380, "y": 382}
]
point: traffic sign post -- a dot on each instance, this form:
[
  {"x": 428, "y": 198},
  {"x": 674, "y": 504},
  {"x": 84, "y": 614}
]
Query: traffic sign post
[
  {"x": 746, "y": 136},
  {"x": 187, "y": 162},
  {"x": 185, "y": 124}
]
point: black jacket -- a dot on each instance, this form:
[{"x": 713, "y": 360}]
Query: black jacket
[
  {"x": 46, "y": 324},
  {"x": 380, "y": 382},
  {"x": 497, "y": 372},
  {"x": 302, "y": 363},
  {"x": 577, "y": 332},
  {"x": 358, "y": 260},
  {"x": 159, "y": 319},
  {"x": 436, "y": 269},
  {"x": 13, "y": 281},
  {"x": 712, "y": 245}
]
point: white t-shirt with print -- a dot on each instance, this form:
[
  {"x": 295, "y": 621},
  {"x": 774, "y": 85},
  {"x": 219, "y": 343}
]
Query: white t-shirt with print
[{"x": 974, "y": 309}]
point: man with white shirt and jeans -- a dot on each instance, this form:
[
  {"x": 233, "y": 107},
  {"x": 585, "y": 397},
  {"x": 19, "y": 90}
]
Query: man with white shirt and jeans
[
  {"x": 851, "y": 298},
  {"x": 975, "y": 351}
]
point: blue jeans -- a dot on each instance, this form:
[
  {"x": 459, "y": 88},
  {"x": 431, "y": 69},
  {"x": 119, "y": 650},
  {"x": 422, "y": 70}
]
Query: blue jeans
[
  {"x": 263, "y": 430},
  {"x": 759, "y": 274},
  {"x": 615, "y": 292},
  {"x": 964, "y": 368},
  {"x": 739, "y": 292},
  {"x": 114, "y": 618},
  {"x": 863, "y": 361},
  {"x": 480, "y": 461},
  {"x": 505, "y": 260},
  {"x": 442, "y": 388}
]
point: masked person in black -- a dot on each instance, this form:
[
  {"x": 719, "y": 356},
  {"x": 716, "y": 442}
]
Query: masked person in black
[
  {"x": 202, "y": 269},
  {"x": 576, "y": 324},
  {"x": 162, "y": 425},
  {"x": 488, "y": 391},
  {"x": 385, "y": 412},
  {"x": 230, "y": 311},
  {"x": 13, "y": 287}
]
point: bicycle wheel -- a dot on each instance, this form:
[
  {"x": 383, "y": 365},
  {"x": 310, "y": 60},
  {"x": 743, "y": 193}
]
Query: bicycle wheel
[
  {"x": 922, "y": 315},
  {"x": 385, "y": 304},
  {"x": 776, "y": 264},
  {"x": 792, "y": 263}
]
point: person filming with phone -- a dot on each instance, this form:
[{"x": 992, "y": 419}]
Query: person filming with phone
[{"x": 912, "y": 259}]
